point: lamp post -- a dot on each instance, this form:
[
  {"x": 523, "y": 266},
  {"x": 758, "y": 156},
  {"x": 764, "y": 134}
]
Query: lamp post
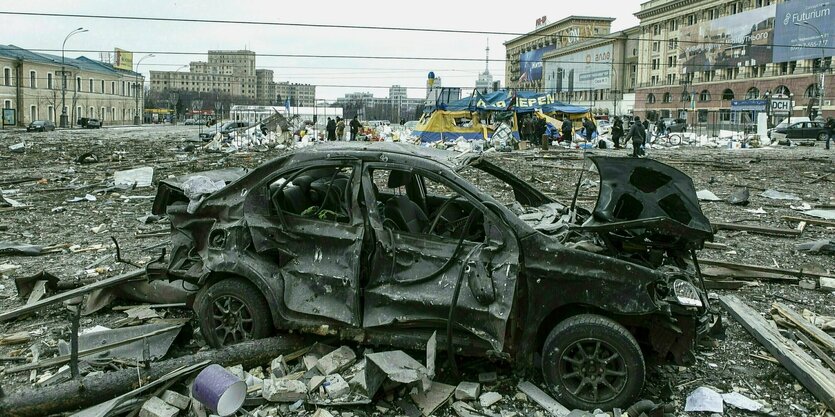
[
  {"x": 136, "y": 118},
  {"x": 823, "y": 54},
  {"x": 64, "y": 120}
]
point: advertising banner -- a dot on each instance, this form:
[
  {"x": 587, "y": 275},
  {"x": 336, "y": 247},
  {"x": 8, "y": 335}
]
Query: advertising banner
[
  {"x": 123, "y": 59},
  {"x": 742, "y": 39},
  {"x": 584, "y": 70},
  {"x": 9, "y": 118},
  {"x": 803, "y": 30},
  {"x": 530, "y": 63},
  {"x": 748, "y": 105}
]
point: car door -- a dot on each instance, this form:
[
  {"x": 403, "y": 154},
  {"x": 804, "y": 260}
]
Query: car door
[
  {"x": 459, "y": 261},
  {"x": 314, "y": 232}
]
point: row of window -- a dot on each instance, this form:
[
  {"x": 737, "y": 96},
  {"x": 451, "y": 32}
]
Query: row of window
[
  {"x": 753, "y": 93},
  {"x": 102, "y": 114},
  {"x": 127, "y": 88},
  {"x": 730, "y": 8}
]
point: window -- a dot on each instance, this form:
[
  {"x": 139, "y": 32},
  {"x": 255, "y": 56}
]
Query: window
[
  {"x": 90, "y": 86},
  {"x": 728, "y": 94},
  {"x": 51, "y": 113},
  {"x": 673, "y": 25},
  {"x": 671, "y": 61},
  {"x": 685, "y": 97},
  {"x": 33, "y": 112},
  {"x": 7, "y": 104},
  {"x": 318, "y": 193},
  {"x": 668, "y": 98},
  {"x": 112, "y": 113},
  {"x": 672, "y": 43},
  {"x": 724, "y": 115},
  {"x": 77, "y": 83},
  {"x": 656, "y": 30},
  {"x": 33, "y": 79},
  {"x": 702, "y": 115},
  {"x": 102, "y": 87},
  {"x": 113, "y": 87},
  {"x": 102, "y": 114},
  {"x": 692, "y": 19},
  {"x": 812, "y": 91},
  {"x": 752, "y": 94},
  {"x": 7, "y": 76},
  {"x": 49, "y": 81},
  {"x": 704, "y": 95},
  {"x": 656, "y": 46},
  {"x": 650, "y": 98}
]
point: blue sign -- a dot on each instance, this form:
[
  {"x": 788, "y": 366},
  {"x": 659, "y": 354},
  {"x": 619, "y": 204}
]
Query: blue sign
[
  {"x": 748, "y": 105},
  {"x": 530, "y": 63},
  {"x": 803, "y": 30}
]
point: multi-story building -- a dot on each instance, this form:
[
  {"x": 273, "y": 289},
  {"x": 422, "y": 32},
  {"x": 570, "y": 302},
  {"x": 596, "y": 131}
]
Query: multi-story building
[
  {"x": 599, "y": 72},
  {"x": 523, "y": 68},
  {"x": 484, "y": 84},
  {"x": 299, "y": 94},
  {"x": 32, "y": 85},
  {"x": 394, "y": 107},
  {"x": 265, "y": 87},
  {"x": 229, "y": 72},
  {"x": 697, "y": 57}
]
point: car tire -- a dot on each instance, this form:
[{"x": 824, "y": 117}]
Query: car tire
[
  {"x": 230, "y": 311},
  {"x": 822, "y": 136},
  {"x": 590, "y": 361}
]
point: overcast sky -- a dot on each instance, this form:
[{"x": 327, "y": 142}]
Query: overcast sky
[{"x": 334, "y": 77}]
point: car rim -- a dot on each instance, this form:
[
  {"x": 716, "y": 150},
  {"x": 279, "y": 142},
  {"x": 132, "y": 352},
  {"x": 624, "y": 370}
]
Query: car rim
[
  {"x": 232, "y": 319},
  {"x": 592, "y": 370}
]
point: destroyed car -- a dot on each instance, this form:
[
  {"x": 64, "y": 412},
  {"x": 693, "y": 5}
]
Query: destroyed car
[{"x": 386, "y": 243}]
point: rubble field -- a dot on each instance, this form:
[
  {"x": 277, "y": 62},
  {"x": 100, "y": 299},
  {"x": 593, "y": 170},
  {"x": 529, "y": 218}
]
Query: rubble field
[{"x": 59, "y": 196}]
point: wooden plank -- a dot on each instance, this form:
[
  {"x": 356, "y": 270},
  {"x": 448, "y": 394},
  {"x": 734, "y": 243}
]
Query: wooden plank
[
  {"x": 66, "y": 295},
  {"x": 760, "y": 268},
  {"x": 819, "y": 335},
  {"x": 765, "y": 230},
  {"x": 812, "y": 375},
  {"x": 816, "y": 350},
  {"x": 809, "y": 220}
]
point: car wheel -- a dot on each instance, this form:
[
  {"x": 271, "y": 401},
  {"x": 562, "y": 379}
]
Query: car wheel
[
  {"x": 230, "y": 311},
  {"x": 590, "y": 361},
  {"x": 822, "y": 136}
]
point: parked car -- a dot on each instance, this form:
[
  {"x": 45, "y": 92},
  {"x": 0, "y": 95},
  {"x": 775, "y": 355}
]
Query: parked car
[
  {"x": 228, "y": 127},
  {"x": 803, "y": 132},
  {"x": 676, "y": 125},
  {"x": 191, "y": 122},
  {"x": 388, "y": 243},
  {"x": 88, "y": 123},
  {"x": 40, "y": 126},
  {"x": 785, "y": 123}
]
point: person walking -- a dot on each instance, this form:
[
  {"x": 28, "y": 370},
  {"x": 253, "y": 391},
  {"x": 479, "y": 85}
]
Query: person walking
[
  {"x": 617, "y": 131},
  {"x": 527, "y": 129},
  {"x": 660, "y": 128},
  {"x": 638, "y": 135},
  {"x": 340, "y": 128},
  {"x": 566, "y": 129},
  {"x": 589, "y": 128},
  {"x": 331, "y": 128},
  {"x": 355, "y": 127},
  {"x": 830, "y": 128}
]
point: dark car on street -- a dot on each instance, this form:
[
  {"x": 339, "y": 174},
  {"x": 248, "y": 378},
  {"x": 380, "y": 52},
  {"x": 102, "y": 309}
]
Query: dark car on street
[
  {"x": 389, "y": 243},
  {"x": 802, "y": 132},
  {"x": 40, "y": 126},
  {"x": 676, "y": 125},
  {"x": 89, "y": 123}
]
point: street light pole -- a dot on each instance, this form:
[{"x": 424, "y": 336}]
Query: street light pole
[
  {"x": 136, "y": 118},
  {"x": 64, "y": 119},
  {"x": 823, "y": 73}
]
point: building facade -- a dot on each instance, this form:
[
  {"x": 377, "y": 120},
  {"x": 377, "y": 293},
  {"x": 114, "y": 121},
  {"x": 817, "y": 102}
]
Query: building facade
[
  {"x": 697, "y": 57},
  {"x": 265, "y": 87},
  {"x": 299, "y": 94},
  {"x": 32, "y": 85},
  {"x": 397, "y": 106},
  {"x": 229, "y": 72},
  {"x": 523, "y": 68},
  {"x": 599, "y": 73}
]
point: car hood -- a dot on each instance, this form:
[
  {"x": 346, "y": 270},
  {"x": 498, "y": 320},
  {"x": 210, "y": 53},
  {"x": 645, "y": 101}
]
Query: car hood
[
  {"x": 171, "y": 190},
  {"x": 652, "y": 201}
]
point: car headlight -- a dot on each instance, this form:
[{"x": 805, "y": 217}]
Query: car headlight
[{"x": 686, "y": 293}]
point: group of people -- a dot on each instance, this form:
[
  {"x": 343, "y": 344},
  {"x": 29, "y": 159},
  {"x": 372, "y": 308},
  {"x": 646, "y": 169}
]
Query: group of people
[{"x": 336, "y": 128}]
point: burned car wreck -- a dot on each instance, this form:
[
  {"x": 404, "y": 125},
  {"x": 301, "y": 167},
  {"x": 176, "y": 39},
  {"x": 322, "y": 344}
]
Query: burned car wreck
[{"x": 389, "y": 243}]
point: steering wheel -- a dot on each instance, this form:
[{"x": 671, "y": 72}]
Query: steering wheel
[{"x": 439, "y": 213}]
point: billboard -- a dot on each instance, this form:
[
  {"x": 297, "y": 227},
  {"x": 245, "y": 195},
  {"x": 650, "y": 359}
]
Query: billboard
[
  {"x": 530, "y": 64},
  {"x": 584, "y": 70},
  {"x": 123, "y": 60},
  {"x": 742, "y": 39},
  {"x": 796, "y": 30}
]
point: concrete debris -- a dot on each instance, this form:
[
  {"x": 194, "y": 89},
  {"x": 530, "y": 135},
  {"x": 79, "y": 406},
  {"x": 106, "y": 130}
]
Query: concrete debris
[
  {"x": 823, "y": 214},
  {"x": 279, "y": 368},
  {"x": 429, "y": 401},
  {"x": 467, "y": 391},
  {"x": 778, "y": 195},
  {"x": 740, "y": 401},
  {"x": 87, "y": 197},
  {"x": 740, "y": 197},
  {"x": 707, "y": 195},
  {"x": 19, "y": 249},
  {"x": 397, "y": 366},
  {"x": 486, "y": 377},
  {"x": 176, "y": 399},
  {"x": 156, "y": 407},
  {"x": 489, "y": 398},
  {"x": 321, "y": 412},
  {"x": 134, "y": 178},
  {"x": 315, "y": 382},
  {"x": 544, "y": 400},
  {"x": 335, "y": 386},
  {"x": 704, "y": 399},
  {"x": 818, "y": 246},
  {"x": 336, "y": 361},
  {"x": 283, "y": 390}
]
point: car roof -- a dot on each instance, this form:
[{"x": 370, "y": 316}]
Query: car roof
[{"x": 451, "y": 160}]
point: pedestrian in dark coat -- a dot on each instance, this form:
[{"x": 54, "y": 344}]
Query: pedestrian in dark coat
[
  {"x": 355, "y": 127},
  {"x": 589, "y": 128},
  {"x": 331, "y": 128},
  {"x": 566, "y": 129},
  {"x": 617, "y": 131},
  {"x": 638, "y": 135}
]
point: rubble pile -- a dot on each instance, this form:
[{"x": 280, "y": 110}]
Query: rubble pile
[{"x": 75, "y": 210}]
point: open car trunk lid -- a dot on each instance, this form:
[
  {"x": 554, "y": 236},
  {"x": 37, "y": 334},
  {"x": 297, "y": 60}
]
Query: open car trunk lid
[{"x": 170, "y": 190}]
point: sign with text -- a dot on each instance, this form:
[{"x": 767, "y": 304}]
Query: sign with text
[
  {"x": 530, "y": 64},
  {"x": 803, "y": 30},
  {"x": 748, "y": 105},
  {"x": 123, "y": 59},
  {"x": 584, "y": 70},
  {"x": 742, "y": 39},
  {"x": 780, "y": 105}
]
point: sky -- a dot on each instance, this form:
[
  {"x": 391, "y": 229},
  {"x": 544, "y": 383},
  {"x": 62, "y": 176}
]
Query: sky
[{"x": 334, "y": 77}]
